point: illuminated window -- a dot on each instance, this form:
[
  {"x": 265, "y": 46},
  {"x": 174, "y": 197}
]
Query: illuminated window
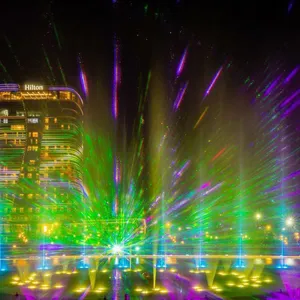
[
  {"x": 32, "y": 162},
  {"x": 30, "y": 209},
  {"x": 17, "y": 127},
  {"x": 33, "y": 120},
  {"x": 35, "y": 134},
  {"x": 29, "y": 196},
  {"x": 21, "y": 210},
  {"x": 29, "y": 175},
  {"x": 34, "y": 114},
  {"x": 55, "y": 120},
  {"x": 32, "y": 148},
  {"x": 4, "y": 121},
  {"x": 46, "y": 120},
  {"x": 46, "y": 127},
  {"x": 62, "y": 126},
  {"x": 14, "y": 210},
  {"x": 65, "y": 95},
  {"x": 20, "y": 113},
  {"x": 4, "y": 112}
]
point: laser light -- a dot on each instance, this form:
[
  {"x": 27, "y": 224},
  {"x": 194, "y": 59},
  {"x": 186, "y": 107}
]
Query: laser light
[
  {"x": 289, "y": 221},
  {"x": 116, "y": 249}
]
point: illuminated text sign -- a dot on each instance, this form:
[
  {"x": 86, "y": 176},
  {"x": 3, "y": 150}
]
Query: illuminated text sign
[{"x": 33, "y": 87}]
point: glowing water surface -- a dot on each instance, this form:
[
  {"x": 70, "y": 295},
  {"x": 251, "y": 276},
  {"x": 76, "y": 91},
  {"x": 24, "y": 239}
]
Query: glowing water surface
[{"x": 153, "y": 277}]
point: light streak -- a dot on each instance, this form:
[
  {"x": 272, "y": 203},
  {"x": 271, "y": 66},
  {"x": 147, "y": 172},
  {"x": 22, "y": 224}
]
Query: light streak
[
  {"x": 218, "y": 154},
  {"x": 180, "y": 96},
  {"x": 292, "y": 75},
  {"x": 213, "y": 82},
  {"x": 83, "y": 81},
  {"x": 201, "y": 117},
  {"x": 182, "y": 62},
  {"x": 290, "y": 98},
  {"x": 116, "y": 78}
]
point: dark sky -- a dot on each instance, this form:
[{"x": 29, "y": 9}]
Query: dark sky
[
  {"x": 149, "y": 31},
  {"x": 239, "y": 28}
]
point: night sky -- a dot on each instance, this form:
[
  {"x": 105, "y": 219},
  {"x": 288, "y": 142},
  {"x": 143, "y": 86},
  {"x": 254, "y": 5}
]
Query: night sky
[
  {"x": 246, "y": 31},
  {"x": 150, "y": 33}
]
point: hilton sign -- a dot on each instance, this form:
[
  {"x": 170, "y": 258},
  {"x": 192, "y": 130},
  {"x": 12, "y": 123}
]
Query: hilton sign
[{"x": 33, "y": 87}]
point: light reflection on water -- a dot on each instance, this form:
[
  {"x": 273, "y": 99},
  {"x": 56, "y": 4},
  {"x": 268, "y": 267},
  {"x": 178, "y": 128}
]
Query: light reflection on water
[{"x": 65, "y": 278}]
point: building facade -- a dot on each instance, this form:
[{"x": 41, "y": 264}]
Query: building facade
[{"x": 41, "y": 152}]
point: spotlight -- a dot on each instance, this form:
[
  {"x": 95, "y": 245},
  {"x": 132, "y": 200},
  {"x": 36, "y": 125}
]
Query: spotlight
[
  {"x": 258, "y": 216},
  {"x": 289, "y": 221},
  {"x": 161, "y": 263},
  {"x": 116, "y": 249},
  {"x": 240, "y": 264},
  {"x": 282, "y": 266},
  {"x": 123, "y": 263},
  {"x": 83, "y": 264}
]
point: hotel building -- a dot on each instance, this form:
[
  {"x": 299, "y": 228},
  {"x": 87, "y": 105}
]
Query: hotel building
[{"x": 40, "y": 154}]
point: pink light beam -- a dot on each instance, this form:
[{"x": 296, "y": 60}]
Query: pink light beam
[
  {"x": 213, "y": 82},
  {"x": 182, "y": 62},
  {"x": 180, "y": 96},
  {"x": 116, "y": 79}
]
